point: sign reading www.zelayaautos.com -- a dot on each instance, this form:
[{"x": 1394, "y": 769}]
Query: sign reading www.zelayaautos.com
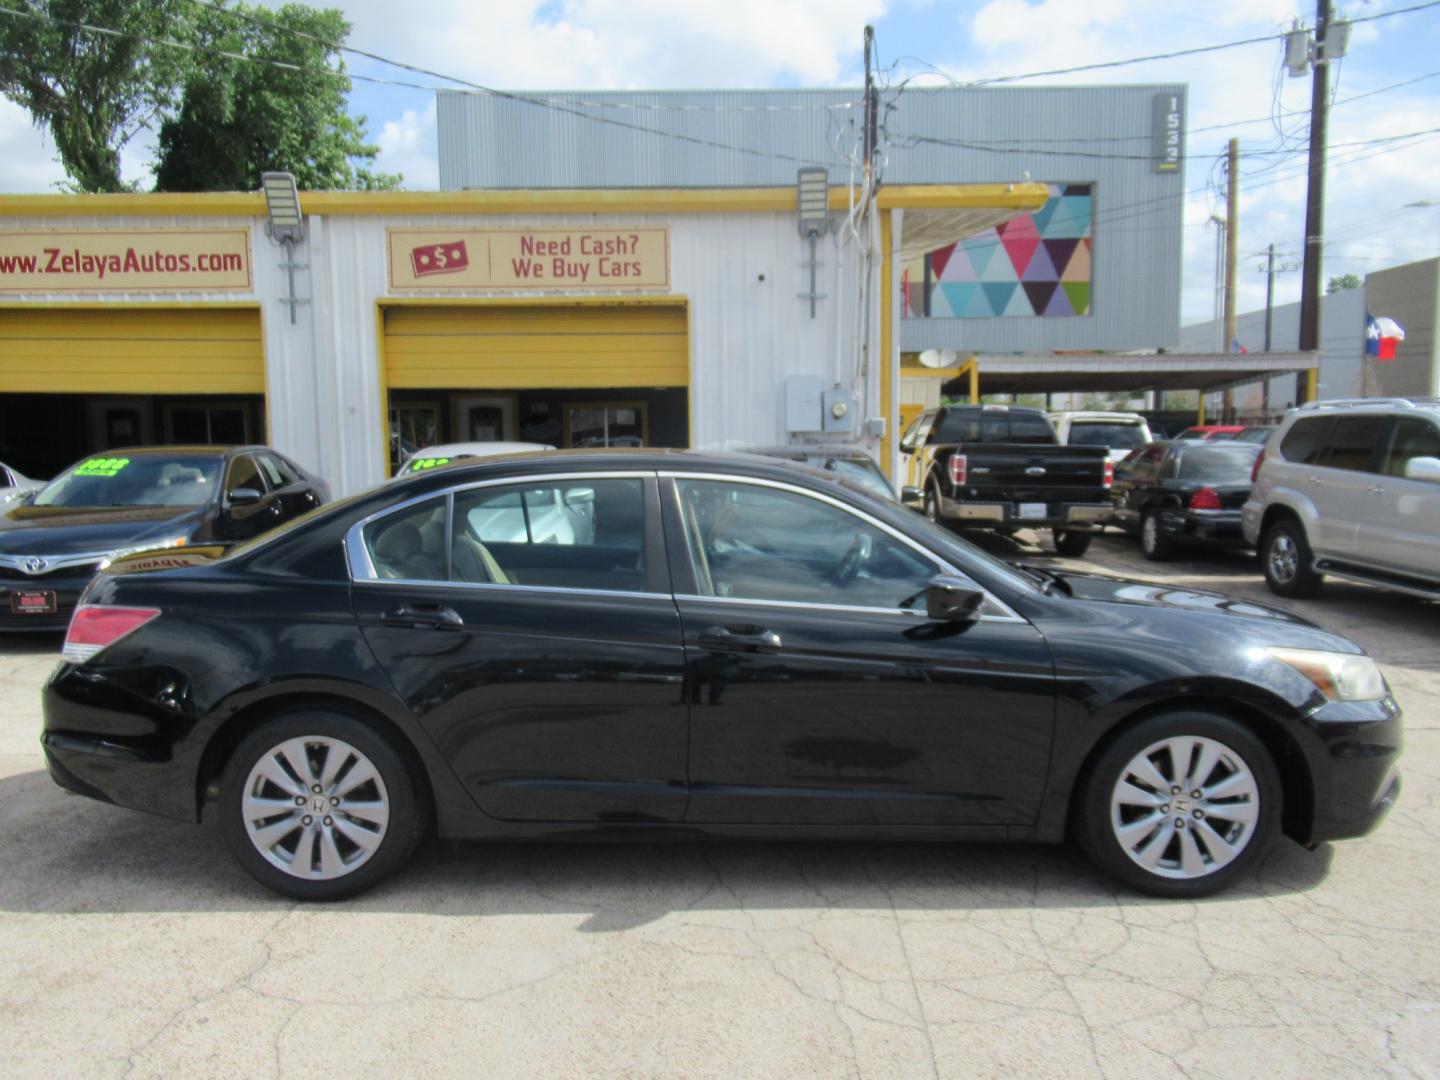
[{"x": 125, "y": 260}]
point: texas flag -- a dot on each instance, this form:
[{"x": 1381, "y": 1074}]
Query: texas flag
[{"x": 1382, "y": 335}]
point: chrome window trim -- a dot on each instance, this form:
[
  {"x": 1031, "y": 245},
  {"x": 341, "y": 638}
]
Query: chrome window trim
[
  {"x": 493, "y": 586},
  {"x": 942, "y": 566},
  {"x": 357, "y": 556}
]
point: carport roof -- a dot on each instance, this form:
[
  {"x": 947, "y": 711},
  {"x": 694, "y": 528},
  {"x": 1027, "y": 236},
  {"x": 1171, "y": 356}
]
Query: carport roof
[{"x": 1039, "y": 373}]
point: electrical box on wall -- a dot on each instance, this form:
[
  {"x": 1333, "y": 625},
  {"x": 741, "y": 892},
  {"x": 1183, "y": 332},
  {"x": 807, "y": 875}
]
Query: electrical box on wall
[
  {"x": 839, "y": 412},
  {"x": 804, "y": 402}
]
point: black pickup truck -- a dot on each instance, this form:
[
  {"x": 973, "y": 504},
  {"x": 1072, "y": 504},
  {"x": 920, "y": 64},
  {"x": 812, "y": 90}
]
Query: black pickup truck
[{"x": 1001, "y": 467}]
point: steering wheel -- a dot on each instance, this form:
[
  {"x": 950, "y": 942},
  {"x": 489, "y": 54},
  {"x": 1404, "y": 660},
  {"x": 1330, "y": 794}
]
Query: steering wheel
[{"x": 855, "y": 558}]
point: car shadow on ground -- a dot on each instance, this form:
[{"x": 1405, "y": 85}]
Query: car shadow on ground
[
  {"x": 65, "y": 854},
  {"x": 32, "y": 644}
]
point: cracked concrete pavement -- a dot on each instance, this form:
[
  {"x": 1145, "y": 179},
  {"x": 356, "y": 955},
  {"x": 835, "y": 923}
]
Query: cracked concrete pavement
[{"x": 134, "y": 947}]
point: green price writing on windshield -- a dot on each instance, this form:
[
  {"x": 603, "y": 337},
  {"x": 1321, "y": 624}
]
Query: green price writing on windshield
[
  {"x": 102, "y": 466},
  {"x": 421, "y": 464}
]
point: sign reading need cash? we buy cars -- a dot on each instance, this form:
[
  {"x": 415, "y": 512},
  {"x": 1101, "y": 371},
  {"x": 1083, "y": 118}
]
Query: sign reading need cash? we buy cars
[
  {"x": 125, "y": 260},
  {"x": 570, "y": 259}
]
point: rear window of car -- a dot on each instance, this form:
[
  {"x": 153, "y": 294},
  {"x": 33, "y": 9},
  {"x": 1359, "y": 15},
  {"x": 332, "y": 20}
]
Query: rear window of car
[
  {"x": 1305, "y": 441},
  {"x": 974, "y": 425},
  {"x": 1218, "y": 465},
  {"x": 1111, "y": 433}
]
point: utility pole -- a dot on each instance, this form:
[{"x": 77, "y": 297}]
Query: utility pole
[
  {"x": 1232, "y": 245},
  {"x": 1269, "y": 296},
  {"x": 1315, "y": 196},
  {"x": 870, "y": 110}
]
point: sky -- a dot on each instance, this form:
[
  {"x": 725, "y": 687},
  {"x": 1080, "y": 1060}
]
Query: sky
[{"x": 643, "y": 44}]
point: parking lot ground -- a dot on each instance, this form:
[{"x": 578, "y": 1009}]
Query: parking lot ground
[{"x": 133, "y": 946}]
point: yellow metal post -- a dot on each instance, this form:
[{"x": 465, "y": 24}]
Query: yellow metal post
[
  {"x": 887, "y": 358},
  {"x": 1200, "y": 409},
  {"x": 1312, "y": 384}
]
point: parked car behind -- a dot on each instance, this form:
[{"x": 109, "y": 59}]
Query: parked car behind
[
  {"x": 1119, "y": 432},
  {"x": 138, "y": 500},
  {"x": 1259, "y": 434},
  {"x": 1210, "y": 432},
  {"x": 848, "y": 462},
  {"x": 433, "y": 457},
  {"x": 1351, "y": 489},
  {"x": 1000, "y": 467},
  {"x": 16, "y": 485},
  {"x": 1184, "y": 493},
  {"x": 737, "y": 648}
]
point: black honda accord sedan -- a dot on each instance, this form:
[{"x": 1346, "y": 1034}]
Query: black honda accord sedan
[{"x": 648, "y": 644}]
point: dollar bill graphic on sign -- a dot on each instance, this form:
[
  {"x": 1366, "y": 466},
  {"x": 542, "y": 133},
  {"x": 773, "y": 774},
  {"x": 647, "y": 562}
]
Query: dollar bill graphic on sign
[{"x": 447, "y": 258}]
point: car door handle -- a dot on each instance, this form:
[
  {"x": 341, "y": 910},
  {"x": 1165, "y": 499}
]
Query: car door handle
[
  {"x": 740, "y": 639},
  {"x": 434, "y": 616},
  {"x": 1376, "y": 489}
]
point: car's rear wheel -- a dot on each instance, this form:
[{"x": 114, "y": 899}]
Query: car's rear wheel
[
  {"x": 1181, "y": 804},
  {"x": 1288, "y": 561},
  {"x": 1154, "y": 544},
  {"x": 1069, "y": 543},
  {"x": 320, "y": 806}
]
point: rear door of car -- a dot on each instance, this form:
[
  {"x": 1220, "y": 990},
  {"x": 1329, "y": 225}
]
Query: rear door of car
[
  {"x": 1341, "y": 480},
  {"x": 1399, "y": 528},
  {"x": 529, "y": 625}
]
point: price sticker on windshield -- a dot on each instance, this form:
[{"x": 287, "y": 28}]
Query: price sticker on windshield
[
  {"x": 421, "y": 464},
  {"x": 102, "y": 466}
]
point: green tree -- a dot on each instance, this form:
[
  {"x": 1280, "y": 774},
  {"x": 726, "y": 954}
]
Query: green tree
[
  {"x": 92, "y": 92},
  {"x": 1343, "y": 282},
  {"x": 238, "y": 119}
]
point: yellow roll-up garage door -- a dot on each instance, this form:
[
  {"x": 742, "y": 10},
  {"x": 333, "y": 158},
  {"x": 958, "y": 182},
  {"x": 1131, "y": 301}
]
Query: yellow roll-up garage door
[
  {"x": 181, "y": 350},
  {"x": 513, "y": 347}
]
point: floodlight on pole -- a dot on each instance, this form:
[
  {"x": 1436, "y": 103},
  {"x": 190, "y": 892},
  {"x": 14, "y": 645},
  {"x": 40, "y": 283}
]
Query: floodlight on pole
[
  {"x": 812, "y": 203},
  {"x": 286, "y": 225}
]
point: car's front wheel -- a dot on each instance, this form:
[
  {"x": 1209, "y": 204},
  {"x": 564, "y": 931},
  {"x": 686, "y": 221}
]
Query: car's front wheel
[
  {"x": 320, "y": 806},
  {"x": 1180, "y": 805}
]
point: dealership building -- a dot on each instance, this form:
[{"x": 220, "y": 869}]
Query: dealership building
[{"x": 617, "y": 269}]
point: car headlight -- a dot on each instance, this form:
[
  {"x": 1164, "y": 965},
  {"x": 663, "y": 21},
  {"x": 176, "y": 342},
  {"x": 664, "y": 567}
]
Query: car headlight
[{"x": 1339, "y": 676}]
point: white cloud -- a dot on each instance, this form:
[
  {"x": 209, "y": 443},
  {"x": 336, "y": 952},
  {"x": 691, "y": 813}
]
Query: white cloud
[
  {"x": 27, "y": 160},
  {"x": 407, "y": 146}
]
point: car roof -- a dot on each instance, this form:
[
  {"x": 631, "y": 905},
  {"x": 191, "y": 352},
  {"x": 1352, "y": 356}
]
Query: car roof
[
  {"x": 477, "y": 449},
  {"x": 1082, "y": 414},
  {"x": 189, "y": 450},
  {"x": 804, "y": 451}
]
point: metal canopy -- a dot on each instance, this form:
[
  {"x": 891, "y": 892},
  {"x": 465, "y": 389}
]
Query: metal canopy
[{"x": 1040, "y": 373}]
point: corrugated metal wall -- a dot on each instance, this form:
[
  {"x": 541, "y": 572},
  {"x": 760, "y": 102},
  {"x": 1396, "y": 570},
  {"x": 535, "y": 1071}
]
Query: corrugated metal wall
[{"x": 1098, "y": 135}]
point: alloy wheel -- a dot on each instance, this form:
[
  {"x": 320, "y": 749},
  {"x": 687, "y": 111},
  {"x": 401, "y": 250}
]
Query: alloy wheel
[
  {"x": 1185, "y": 807},
  {"x": 1284, "y": 558},
  {"x": 315, "y": 807}
]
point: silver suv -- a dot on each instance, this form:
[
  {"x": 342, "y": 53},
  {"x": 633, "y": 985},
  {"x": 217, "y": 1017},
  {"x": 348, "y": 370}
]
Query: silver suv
[{"x": 1352, "y": 489}]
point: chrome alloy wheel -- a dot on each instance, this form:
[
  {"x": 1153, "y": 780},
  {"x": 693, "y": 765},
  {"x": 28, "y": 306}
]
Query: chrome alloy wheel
[
  {"x": 315, "y": 807},
  {"x": 1185, "y": 807},
  {"x": 1284, "y": 558}
]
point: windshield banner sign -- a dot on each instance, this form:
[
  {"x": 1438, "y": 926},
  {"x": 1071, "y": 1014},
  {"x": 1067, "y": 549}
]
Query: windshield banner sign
[
  {"x": 125, "y": 260},
  {"x": 536, "y": 260}
]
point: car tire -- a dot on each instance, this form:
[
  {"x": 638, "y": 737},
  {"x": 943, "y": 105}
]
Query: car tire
[
  {"x": 1069, "y": 543},
  {"x": 271, "y": 781},
  {"x": 1154, "y": 544},
  {"x": 1134, "y": 798},
  {"x": 1288, "y": 562},
  {"x": 932, "y": 504}
]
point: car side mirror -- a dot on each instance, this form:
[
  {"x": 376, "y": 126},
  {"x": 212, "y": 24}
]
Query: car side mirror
[
  {"x": 244, "y": 497},
  {"x": 1423, "y": 468},
  {"x": 911, "y": 495},
  {"x": 952, "y": 599}
]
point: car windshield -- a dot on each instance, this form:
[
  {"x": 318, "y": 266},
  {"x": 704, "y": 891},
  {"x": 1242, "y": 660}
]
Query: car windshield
[
  {"x": 1112, "y": 433},
  {"x": 863, "y": 472},
  {"x": 136, "y": 480},
  {"x": 1218, "y": 464}
]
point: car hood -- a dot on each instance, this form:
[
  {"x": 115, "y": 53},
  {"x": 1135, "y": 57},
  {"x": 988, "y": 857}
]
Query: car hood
[
  {"x": 1171, "y": 597},
  {"x": 65, "y": 530}
]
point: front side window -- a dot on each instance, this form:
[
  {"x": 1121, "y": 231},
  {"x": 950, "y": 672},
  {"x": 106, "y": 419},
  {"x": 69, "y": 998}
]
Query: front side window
[
  {"x": 916, "y": 433},
  {"x": 244, "y": 474},
  {"x": 1413, "y": 438},
  {"x": 751, "y": 542}
]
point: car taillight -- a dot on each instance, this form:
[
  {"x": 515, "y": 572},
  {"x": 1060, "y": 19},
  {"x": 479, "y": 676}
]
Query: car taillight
[
  {"x": 959, "y": 469},
  {"x": 95, "y": 626},
  {"x": 1109, "y": 472},
  {"x": 1205, "y": 499},
  {"x": 1259, "y": 460}
]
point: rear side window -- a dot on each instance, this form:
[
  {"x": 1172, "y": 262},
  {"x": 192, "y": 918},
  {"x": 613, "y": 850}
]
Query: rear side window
[
  {"x": 1413, "y": 438},
  {"x": 1353, "y": 442},
  {"x": 1305, "y": 442}
]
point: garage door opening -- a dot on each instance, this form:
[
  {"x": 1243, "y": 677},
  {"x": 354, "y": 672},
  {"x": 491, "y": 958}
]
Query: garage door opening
[
  {"x": 76, "y": 381},
  {"x": 570, "y": 375}
]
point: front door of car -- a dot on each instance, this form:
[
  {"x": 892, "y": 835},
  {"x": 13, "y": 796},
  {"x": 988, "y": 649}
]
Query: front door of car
[
  {"x": 530, "y": 628},
  {"x": 819, "y": 691},
  {"x": 1401, "y": 519},
  {"x": 247, "y": 505}
]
